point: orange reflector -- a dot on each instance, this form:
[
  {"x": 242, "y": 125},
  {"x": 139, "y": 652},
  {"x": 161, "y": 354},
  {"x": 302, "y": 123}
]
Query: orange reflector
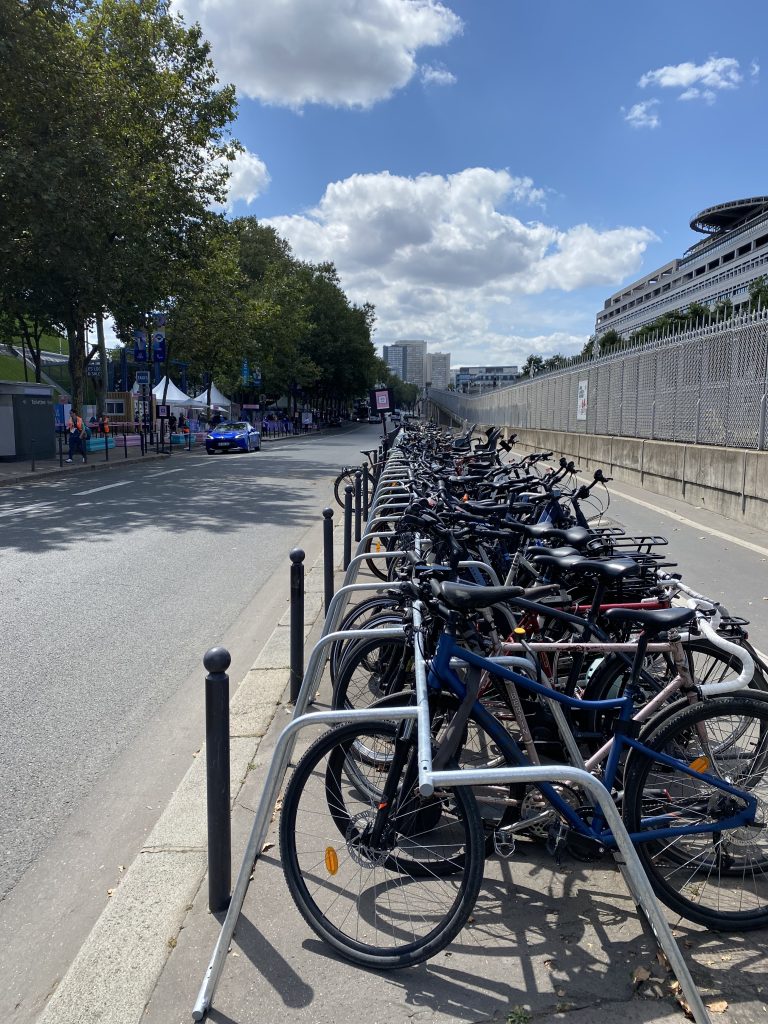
[
  {"x": 701, "y": 764},
  {"x": 331, "y": 860},
  {"x": 378, "y": 545},
  {"x": 519, "y": 631}
]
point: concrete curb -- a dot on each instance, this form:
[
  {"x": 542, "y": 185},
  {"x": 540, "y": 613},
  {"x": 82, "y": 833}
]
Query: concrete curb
[
  {"x": 60, "y": 472},
  {"x": 112, "y": 978}
]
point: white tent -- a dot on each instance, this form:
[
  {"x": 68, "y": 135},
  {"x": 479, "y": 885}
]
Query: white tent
[
  {"x": 218, "y": 401},
  {"x": 173, "y": 396}
]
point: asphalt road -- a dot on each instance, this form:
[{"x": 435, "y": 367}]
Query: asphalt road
[{"x": 115, "y": 586}]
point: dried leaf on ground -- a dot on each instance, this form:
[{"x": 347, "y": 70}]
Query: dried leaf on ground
[
  {"x": 639, "y": 975},
  {"x": 267, "y": 846},
  {"x": 718, "y": 1006}
]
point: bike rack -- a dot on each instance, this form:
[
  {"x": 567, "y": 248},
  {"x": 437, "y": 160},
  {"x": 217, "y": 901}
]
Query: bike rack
[{"x": 631, "y": 868}]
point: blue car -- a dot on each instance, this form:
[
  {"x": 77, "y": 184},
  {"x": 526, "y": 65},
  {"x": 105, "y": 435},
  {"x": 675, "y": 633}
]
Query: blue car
[{"x": 233, "y": 437}]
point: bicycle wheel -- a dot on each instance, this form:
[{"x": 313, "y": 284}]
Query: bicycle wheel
[
  {"x": 716, "y": 878},
  {"x": 340, "y": 484},
  {"x": 360, "y": 617},
  {"x": 707, "y": 664},
  {"x": 373, "y": 668},
  {"x": 384, "y": 903}
]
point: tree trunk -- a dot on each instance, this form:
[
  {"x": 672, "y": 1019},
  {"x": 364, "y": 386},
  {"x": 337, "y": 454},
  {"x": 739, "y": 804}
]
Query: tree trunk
[
  {"x": 76, "y": 338},
  {"x": 101, "y": 391}
]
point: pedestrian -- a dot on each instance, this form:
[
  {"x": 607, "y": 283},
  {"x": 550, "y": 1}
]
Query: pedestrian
[
  {"x": 76, "y": 431},
  {"x": 172, "y": 423},
  {"x": 183, "y": 428},
  {"x": 104, "y": 424},
  {"x": 94, "y": 424}
]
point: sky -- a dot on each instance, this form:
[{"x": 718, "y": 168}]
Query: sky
[{"x": 488, "y": 172}]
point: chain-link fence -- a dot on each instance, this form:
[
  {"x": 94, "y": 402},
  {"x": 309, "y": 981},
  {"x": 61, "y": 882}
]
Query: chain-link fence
[{"x": 707, "y": 386}]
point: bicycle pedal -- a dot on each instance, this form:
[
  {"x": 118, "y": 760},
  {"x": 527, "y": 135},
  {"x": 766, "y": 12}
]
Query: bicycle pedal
[{"x": 503, "y": 846}]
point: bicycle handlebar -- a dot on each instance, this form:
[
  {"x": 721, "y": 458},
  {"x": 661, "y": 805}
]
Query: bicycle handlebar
[{"x": 747, "y": 664}]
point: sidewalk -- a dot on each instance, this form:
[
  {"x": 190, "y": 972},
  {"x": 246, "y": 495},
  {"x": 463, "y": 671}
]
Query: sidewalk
[{"x": 545, "y": 944}]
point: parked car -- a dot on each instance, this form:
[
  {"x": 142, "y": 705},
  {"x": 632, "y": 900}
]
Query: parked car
[
  {"x": 373, "y": 418},
  {"x": 233, "y": 436}
]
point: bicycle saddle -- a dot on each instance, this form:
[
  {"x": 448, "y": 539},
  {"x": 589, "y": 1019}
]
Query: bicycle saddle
[
  {"x": 463, "y": 598},
  {"x": 653, "y": 621},
  {"x": 576, "y": 536}
]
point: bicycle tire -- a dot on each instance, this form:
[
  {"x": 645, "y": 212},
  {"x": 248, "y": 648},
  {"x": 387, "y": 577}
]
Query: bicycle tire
[
  {"x": 373, "y": 668},
  {"x": 711, "y": 878},
  {"x": 358, "y": 617},
  {"x": 378, "y": 905},
  {"x": 340, "y": 484}
]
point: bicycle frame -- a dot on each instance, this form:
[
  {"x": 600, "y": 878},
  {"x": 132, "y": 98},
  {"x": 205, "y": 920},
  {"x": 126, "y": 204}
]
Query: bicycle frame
[{"x": 442, "y": 676}]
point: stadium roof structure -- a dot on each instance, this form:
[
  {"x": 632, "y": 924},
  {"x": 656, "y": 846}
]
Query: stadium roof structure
[{"x": 726, "y": 216}]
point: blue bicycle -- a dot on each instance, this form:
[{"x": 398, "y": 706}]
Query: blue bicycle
[{"x": 389, "y": 877}]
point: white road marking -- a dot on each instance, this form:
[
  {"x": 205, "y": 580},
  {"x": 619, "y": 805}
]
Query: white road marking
[
  {"x": 683, "y": 519},
  {"x": 165, "y": 472},
  {"x": 106, "y": 487},
  {"x": 25, "y": 508},
  {"x": 692, "y": 522}
]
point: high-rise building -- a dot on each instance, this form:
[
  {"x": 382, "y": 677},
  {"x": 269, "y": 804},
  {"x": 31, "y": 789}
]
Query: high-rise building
[
  {"x": 438, "y": 372},
  {"x": 407, "y": 359}
]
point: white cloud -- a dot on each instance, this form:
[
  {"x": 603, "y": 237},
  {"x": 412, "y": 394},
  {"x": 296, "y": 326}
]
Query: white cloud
[
  {"x": 337, "y": 52},
  {"x": 643, "y": 115},
  {"x": 436, "y": 75},
  {"x": 754, "y": 70},
  {"x": 443, "y": 258},
  {"x": 249, "y": 178},
  {"x": 716, "y": 73}
]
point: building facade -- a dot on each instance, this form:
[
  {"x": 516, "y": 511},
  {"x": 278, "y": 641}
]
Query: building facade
[
  {"x": 408, "y": 360},
  {"x": 438, "y": 371},
  {"x": 721, "y": 267},
  {"x": 467, "y": 378}
]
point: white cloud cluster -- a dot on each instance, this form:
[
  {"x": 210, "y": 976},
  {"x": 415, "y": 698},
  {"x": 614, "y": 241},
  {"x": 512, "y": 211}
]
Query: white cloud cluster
[
  {"x": 248, "y": 179},
  {"x": 643, "y": 115},
  {"x": 442, "y": 256},
  {"x": 339, "y": 52},
  {"x": 696, "y": 81},
  {"x": 436, "y": 75}
]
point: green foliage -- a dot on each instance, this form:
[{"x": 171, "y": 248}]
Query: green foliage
[
  {"x": 758, "y": 294},
  {"x": 532, "y": 365}
]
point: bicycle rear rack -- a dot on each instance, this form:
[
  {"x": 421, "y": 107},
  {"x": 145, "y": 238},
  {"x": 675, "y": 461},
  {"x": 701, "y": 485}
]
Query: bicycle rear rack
[{"x": 632, "y": 870}]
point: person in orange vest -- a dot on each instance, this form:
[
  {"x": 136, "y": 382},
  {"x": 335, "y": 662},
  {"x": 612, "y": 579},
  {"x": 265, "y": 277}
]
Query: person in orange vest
[
  {"x": 104, "y": 424},
  {"x": 75, "y": 430}
]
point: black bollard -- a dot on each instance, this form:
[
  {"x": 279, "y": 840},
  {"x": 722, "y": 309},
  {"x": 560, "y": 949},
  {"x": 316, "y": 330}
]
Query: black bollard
[
  {"x": 141, "y": 441},
  {"x": 61, "y": 451},
  {"x": 328, "y": 556},
  {"x": 125, "y": 444},
  {"x": 348, "y": 492},
  {"x": 358, "y": 506},
  {"x": 366, "y": 485},
  {"x": 106, "y": 447},
  {"x": 216, "y": 662},
  {"x": 32, "y": 442},
  {"x": 297, "y": 622}
]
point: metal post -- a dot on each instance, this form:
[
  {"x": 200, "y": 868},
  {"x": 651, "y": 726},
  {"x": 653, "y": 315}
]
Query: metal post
[
  {"x": 61, "y": 451},
  {"x": 106, "y": 447},
  {"x": 366, "y": 484},
  {"x": 358, "y": 508},
  {"x": 217, "y": 661},
  {"x": 141, "y": 440},
  {"x": 297, "y": 622},
  {"x": 328, "y": 556},
  {"x": 348, "y": 492},
  {"x": 32, "y": 441}
]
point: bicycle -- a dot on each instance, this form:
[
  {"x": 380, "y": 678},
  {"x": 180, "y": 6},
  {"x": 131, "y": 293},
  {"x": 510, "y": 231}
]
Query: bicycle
[{"x": 389, "y": 877}]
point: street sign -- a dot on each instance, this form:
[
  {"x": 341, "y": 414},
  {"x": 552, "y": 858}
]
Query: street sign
[
  {"x": 142, "y": 376},
  {"x": 93, "y": 369}
]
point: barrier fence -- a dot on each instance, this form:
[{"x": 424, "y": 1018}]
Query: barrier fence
[{"x": 705, "y": 386}]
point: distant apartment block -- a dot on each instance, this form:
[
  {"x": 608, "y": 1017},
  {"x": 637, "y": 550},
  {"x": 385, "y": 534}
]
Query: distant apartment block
[
  {"x": 438, "y": 372},
  {"x": 721, "y": 266},
  {"x": 467, "y": 377}
]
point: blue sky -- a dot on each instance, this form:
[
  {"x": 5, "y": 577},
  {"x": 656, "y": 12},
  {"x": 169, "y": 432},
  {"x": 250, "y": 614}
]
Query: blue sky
[{"x": 488, "y": 172}]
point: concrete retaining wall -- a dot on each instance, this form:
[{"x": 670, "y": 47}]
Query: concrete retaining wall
[{"x": 731, "y": 481}]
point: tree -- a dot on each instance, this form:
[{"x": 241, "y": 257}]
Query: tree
[
  {"x": 758, "y": 294},
  {"x": 119, "y": 148},
  {"x": 532, "y": 366}
]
